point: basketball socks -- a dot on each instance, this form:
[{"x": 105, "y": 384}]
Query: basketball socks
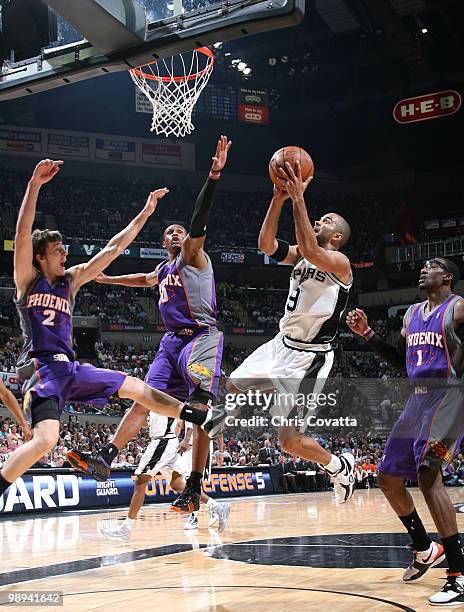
[
  {"x": 194, "y": 415},
  {"x": 416, "y": 530},
  {"x": 194, "y": 481},
  {"x": 4, "y": 484},
  {"x": 108, "y": 453},
  {"x": 334, "y": 465},
  {"x": 129, "y": 523},
  {"x": 454, "y": 554}
]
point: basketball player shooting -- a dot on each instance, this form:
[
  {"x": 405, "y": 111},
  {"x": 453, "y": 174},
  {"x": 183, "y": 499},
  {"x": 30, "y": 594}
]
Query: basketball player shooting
[
  {"x": 188, "y": 362},
  {"x": 45, "y": 295},
  {"x": 429, "y": 430},
  {"x": 319, "y": 288}
]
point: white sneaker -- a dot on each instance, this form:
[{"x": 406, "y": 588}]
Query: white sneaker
[
  {"x": 343, "y": 480},
  {"x": 122, "y": 532},
  {"x": 451, "y": 595},
  {"x": 192, "y": 521},
  {"x": 218, "y": 515},
  {"x": 424, "y": 560}
]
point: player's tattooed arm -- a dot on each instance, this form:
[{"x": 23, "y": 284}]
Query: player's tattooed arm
[
  {"x": 357, "y": 321},
  {"x": 327, "y": 261},
  {"x": 192, "y": 246},
  {"x": 24, "y": 270},
  {"x": 267, "y": 241},
  {"x": 84, "y": 273},
  {"x": 129, "y": 280}
]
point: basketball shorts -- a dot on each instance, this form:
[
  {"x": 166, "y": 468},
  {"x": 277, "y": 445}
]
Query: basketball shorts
[
  {"x": 58, "y": 378},
  {"x": 298, "y": 376},
  {"x": 187, "y": 459},
  {"x": 185, "y": 363},
  {"x": 427, "y": 433},
  {"x": 162, "y": 456}
]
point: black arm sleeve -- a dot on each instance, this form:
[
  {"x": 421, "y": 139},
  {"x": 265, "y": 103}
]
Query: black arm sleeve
[
  {"x": 202, "y": 207},
  {"x": 282, "y": 250},
  {"x": 395, "y": 355}
]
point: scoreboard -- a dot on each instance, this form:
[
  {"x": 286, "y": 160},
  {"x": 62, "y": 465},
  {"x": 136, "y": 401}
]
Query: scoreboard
[{"x": 217, "y": 103}]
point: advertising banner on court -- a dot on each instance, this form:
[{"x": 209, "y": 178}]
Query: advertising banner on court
[
  {"x": 68, "y": 145},
  {"x": 253, "y": 106},
  {"x": 161, "y": 154},
  {"x": 149, "y": 253},
  {"x": 90, "y": 249},
  {"x": 46, "y": 490},
  {"x": 10, "y": 380},
  {"x": 20, "y": 141},
  {"x": 428, "y": 106},
  {"x": 114, "y": 150}
]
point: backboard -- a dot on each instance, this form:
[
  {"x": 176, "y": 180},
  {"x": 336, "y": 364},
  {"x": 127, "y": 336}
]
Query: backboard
[{"x": 96, "y": 37}]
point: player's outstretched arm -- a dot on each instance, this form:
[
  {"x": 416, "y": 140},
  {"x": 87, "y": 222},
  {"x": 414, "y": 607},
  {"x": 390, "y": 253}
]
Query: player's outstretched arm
[
  {"x": 357, "y": 321},
  {"x": 24, "y": 271},
  {"x": 129, "y": 280},
  {"x": 192, "y": 246},
  {"x": 84, "y": 273},
  {"x": 268, "y": 242},
  {"x": 12, "y": 404}
]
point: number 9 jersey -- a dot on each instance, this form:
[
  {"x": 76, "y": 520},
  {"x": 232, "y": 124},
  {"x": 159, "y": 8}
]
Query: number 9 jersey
[{"x": 315, "y": 304}]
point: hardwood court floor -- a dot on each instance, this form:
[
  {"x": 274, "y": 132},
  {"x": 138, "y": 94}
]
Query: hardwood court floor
[{"x": 282, "y": 552}]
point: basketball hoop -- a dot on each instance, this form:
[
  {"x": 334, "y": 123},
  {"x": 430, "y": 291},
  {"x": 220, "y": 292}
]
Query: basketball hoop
[{"x": 173, "y": 97}]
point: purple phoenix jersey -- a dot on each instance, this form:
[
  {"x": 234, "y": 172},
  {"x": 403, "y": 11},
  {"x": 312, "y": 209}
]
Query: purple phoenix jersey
[
  {"x": 431, "y": 425},
  {"x": 432, "y": 346},
  {"x": 187, "y": 295},
  {"x": 45, "y": 315},
  {"x": 47, "y": 365},
  {"x": 190, "y": 352}
]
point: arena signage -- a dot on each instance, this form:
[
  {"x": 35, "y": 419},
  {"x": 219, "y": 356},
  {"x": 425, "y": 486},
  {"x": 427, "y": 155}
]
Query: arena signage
[
  {"x": 428, "y": 106},
  {"x": 48, "y": 490}
]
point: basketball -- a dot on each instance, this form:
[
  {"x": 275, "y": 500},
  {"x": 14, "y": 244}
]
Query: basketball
[{"x": 290, "y": 155}]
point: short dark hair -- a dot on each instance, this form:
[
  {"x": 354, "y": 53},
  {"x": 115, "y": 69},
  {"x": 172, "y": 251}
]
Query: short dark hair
[
  {"x": 343, "y": 227},
  {"x": 40, "y": 239},
  {"x": 450, "y": 267}
]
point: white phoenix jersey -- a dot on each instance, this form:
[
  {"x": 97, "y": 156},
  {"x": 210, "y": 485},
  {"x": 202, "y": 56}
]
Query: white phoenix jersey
[
  {"x": 161, "y": 426},
  {"x": 315, "y": 304}
]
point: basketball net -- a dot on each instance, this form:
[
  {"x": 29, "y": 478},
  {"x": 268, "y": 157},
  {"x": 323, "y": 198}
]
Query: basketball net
[{"x": 174, "y": 96}]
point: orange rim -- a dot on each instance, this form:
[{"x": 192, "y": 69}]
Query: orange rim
[{"x": 178, "y": 79}]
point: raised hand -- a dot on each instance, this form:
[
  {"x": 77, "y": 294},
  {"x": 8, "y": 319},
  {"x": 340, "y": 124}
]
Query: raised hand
[
  {"x": 295, "y": 186},
  {"x": 220, "y": 157},
  {"x": 357, "y": 321},
  {"x": 280, "y": 194},
  {"x": 153, "y": 200},
  {"x": 45, "y": 171}
]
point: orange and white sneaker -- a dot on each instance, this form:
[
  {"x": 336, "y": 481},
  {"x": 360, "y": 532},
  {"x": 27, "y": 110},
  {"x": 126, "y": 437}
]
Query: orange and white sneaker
[{"x": 424, "y": 560}]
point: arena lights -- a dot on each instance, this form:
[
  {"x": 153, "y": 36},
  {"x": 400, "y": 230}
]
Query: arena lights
[{"x": 424, "y": 30}]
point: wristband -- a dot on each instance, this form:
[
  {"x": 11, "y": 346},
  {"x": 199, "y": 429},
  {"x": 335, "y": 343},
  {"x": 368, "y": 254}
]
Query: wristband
[
  {"x": 214, "y": 174},
  {"x": 367, "y": 332}
]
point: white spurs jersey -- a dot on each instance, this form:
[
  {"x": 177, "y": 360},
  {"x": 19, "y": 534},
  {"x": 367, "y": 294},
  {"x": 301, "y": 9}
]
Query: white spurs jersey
[
  {"x": 161, "y": 426},
  {"x": 315, "y": 303}
]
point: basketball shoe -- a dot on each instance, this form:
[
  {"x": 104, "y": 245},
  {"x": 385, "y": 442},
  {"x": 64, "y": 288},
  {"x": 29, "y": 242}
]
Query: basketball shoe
[
  {"x": 343, "y": 480},
  {"x": 215, "y": 421},
  {"x": 187, "y": 502},
  {"x": 192, "y": 521},
  {"x": 218, "y": 515},
  {"x": 451, "y": 595},
  {"x": 424, "y": 560},
  {"x": 92, "y": 464},
  {"x": 122, "y": 532}
]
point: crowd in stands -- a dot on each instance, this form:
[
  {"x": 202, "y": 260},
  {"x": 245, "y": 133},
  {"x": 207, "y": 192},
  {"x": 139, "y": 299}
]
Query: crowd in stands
[
  {"x": 296, "y": 474},
  {"x": 69, "y": 205}
]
